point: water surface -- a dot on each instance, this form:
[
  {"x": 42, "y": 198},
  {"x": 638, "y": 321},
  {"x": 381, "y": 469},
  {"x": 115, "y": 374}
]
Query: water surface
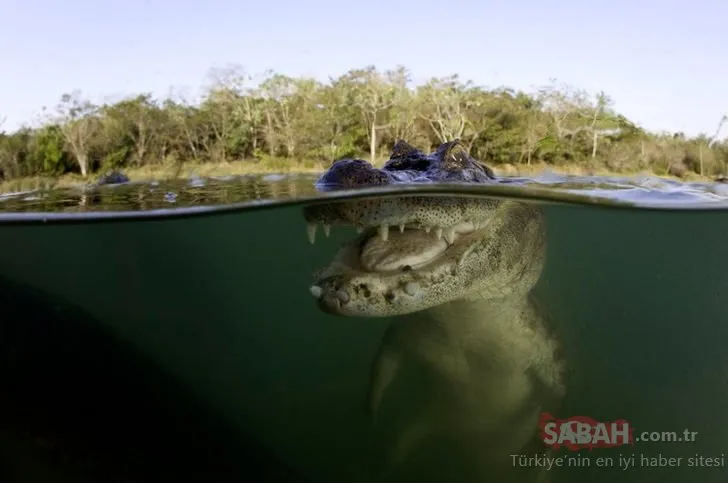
[{"x": 196, "y": 195}]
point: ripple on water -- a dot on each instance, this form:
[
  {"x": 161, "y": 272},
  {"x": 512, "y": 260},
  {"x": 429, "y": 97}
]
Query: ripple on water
[{"x": 252, "y": 190}]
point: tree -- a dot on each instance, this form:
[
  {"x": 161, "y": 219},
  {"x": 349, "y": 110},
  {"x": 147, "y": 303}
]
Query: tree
[
  {"x": 373, "y": 94},
  {"x": 601, "y": 118},
  {"x": 231, "y": 111},
  {"x": 574, "y": 111},
  {"x": 78, "y": 121},
  {"x": 134, "y": 117},
  {"x": 286, "y": 104},
  {"x": 441, "y": 105},
  {"x": 186, "y": 134},
  {"x": 336, "y": 121},
  {"x": 534, "y": 125}
]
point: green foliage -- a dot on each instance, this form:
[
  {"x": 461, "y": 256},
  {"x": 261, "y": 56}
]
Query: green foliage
[
  {"x": 46, "y": 154},
  {"x": 360, "y": 114}
]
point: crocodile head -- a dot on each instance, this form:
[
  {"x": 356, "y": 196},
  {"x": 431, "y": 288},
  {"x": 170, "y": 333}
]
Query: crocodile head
[{"x": 417, "y": 252}]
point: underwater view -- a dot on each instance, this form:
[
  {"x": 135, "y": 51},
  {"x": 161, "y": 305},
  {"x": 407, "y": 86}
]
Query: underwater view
[{"x": 264, "y": 328}]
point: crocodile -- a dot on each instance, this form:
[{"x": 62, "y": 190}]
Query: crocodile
[{"x": 457, "y": 277}]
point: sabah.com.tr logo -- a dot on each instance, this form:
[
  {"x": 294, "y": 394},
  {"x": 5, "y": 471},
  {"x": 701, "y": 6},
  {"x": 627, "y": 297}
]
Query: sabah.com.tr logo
[{"x": 578, "y": 432}]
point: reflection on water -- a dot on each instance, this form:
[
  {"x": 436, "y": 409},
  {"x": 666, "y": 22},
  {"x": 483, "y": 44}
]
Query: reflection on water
[
  {"x": 222, "y": 306},
  {"x": 155, "y": 195},
  {"x": 251, "y": 190}
]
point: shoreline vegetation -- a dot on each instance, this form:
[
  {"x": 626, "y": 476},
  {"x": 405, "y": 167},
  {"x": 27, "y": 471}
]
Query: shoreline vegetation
[{"x": 270, "y": 122}]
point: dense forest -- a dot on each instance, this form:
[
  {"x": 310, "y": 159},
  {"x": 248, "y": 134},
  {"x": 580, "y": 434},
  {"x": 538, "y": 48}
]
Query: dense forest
[{"x": 257, "y": 118}]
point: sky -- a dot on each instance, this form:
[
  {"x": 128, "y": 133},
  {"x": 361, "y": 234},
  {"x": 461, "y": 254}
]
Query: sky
[{"x": 663, "y": 62}]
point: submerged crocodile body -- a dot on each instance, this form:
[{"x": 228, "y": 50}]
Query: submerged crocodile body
[{"x": 458, "y": 273}]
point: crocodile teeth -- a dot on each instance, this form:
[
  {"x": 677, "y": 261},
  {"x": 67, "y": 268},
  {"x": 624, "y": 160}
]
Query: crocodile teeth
[
  {"x": 449, "y": 234},
  {"x": 311, "y": 230},
  {"x": 316, "y": 291},
  {"x": 342, "y": 295},
  {"x": 465, "y": 227},
  {"x": 384, "y": 232}
]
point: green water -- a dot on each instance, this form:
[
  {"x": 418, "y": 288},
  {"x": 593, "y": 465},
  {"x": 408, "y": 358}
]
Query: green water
[{"x": 190, "y": 346}]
